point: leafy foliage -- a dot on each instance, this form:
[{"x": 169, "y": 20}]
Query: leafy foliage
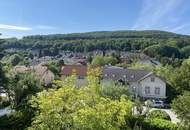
[
  {"x": 2, "y": 74},
  {"x": 21, "y": 87},
  {"x": 84, "y": 108},
  {"x": 13, "y": 121},
  {"x": 15, "y": 59},
  {"x": 104, "y": 60},
  {"x": 113, "y": 90},
  {"x": 141, "y": 123},
  {"x": 159, "y": 114},
  {"x": 54, "y": 66},
  {"x": 181, "y": 106},
  {"x": 153, "y": 43},
  {"x": 163, "y": 51}
]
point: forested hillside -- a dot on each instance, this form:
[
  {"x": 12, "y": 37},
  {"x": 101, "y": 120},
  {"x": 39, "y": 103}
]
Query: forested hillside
[{"x": 153, "y": 43}]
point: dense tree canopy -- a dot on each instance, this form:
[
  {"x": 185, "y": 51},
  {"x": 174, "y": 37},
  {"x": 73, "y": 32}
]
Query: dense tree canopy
[
  {"x": 181, "y": 106},
  {"x": 181, "y": 77},
  {"x": 21, "y": 87},
  {"x": 163, "y": 51},
  {"x": 154, "y": 43},
  {"x": 84, "y": 108},
  {"x": 113, "y": 90},
  {"x": 2, "y": 74},
  {"x": 104, "y": 60}
]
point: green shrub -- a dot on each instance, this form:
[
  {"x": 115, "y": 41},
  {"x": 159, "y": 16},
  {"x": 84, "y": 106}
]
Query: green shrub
[
  {"x": 17, "y": 120},
  {"x": 159, "y": 114},
  {"x": 113, "y": 90},
  {"x": 12, "y": 121},
  {"x": 159, "y": 124},
  {"x": 150, "y": 124}
]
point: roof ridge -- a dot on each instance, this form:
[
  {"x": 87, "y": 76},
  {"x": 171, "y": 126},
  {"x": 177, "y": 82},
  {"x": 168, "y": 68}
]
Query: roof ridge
[{"x": 150, "y": 73}]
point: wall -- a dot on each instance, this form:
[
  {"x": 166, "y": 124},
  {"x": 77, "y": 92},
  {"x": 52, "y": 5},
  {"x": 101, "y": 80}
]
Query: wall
[{"x": 157, "y": 83}]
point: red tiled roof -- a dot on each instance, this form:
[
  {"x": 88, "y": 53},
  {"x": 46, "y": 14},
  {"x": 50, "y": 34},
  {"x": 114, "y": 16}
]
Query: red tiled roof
[{"x": 80, "y": 70}]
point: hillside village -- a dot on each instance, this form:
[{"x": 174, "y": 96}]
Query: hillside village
[
  {"x": 94, "y": 65},
  {"x": 154, "y": 87},
  {"x": 150, "y": 83}
]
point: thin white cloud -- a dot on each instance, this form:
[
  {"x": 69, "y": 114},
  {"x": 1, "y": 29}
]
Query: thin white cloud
[
  {"x": 45, "y": 27},
  {"x": 155, "y": 12},
  {"x": 180, "y": 27},
  {"x": 14, "y": 27}
]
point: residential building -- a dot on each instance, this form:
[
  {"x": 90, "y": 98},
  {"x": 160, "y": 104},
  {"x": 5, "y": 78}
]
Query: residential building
[
  {"x": 46, "y": 76},
  {"x": 141, "y": 83},
  {"x": 78, "y": 69}
]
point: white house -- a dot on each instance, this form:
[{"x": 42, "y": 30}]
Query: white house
[{"x": 141, "y": 83}]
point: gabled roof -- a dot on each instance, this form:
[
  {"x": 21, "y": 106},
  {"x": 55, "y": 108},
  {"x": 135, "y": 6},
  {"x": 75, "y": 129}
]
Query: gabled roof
[
  {"x": 68, "y": 70},
  {"x": 46, "y": 76},
  {"x": 128, "y": 75},
  {"x": 22, "y": 68}
]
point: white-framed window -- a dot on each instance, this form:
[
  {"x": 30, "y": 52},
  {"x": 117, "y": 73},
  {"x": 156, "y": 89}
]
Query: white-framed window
[
  {"x": 157, "y": 90},
  {"x": 152, "y": 79},
  {"x": 147, "y": 90}
]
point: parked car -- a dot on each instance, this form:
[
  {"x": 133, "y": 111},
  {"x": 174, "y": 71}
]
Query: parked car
[{"x": 156, "y": 104}]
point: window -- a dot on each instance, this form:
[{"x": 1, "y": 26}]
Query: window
[
  {"x": 152, "y": 79},
  {"x": 157, "y": 91},
  {"x": 133, "y": 89},
  {"x": 147, "y": 90}
]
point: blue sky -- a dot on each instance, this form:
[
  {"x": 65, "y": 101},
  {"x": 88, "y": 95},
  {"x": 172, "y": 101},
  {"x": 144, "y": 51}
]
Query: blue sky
[{"x": 27, "y": 17}]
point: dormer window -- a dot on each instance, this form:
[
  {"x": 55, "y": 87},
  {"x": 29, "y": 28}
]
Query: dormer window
[
  {"x": 152, "y": 79},
  {"x": 124, "y": 76},
  {"x": 132, "y": 76},
  {"x": 106, "y": 75},
  {"x": 113, "y": 75}
]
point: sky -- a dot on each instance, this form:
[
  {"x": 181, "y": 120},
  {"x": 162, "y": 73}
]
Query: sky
[{"x": 31, "y": 17}]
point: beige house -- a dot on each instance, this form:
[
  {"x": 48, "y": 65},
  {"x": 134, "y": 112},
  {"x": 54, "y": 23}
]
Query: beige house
[
  {"x": 141, "y": 83},
  {"x": 46, "y": 76}
]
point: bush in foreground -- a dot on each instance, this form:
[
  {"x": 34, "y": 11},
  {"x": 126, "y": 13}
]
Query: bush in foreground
[
  {"x": 159, "y": 114},
  {"x": 139, "y": 122},
  {"x": 79, "y": 109}
]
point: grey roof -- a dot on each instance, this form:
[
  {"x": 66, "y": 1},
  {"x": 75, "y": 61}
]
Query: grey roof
[{"x": 128, "y": 75}]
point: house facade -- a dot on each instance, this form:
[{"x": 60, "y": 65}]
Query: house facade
[
  {"x": 141, "y": 83},
  {"x": 79, "y": 70}
]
